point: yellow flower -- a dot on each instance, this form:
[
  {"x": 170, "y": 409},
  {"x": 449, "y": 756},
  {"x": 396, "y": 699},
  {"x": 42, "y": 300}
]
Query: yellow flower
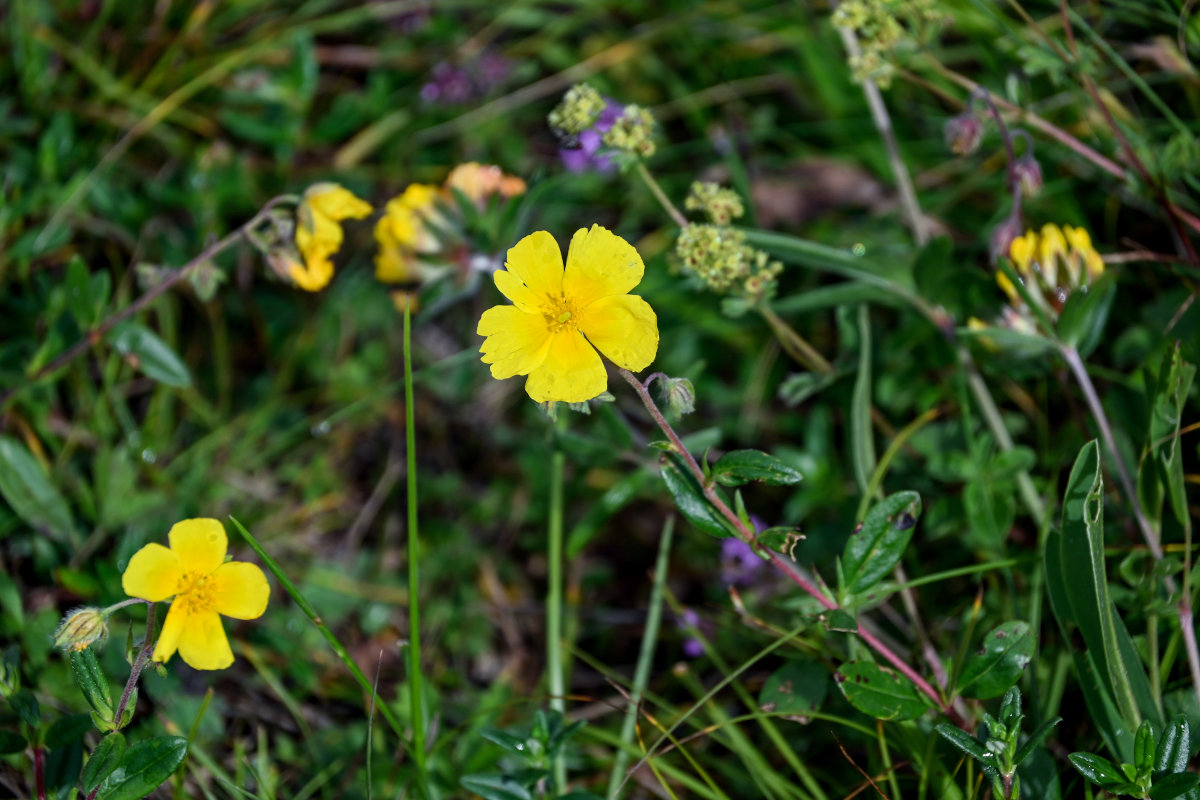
[
  {"x": 194, "y": 571},
  {"x": 542, "y": 334},
  {"x": 402, "y": 233},
  {"x": 1081, "y": 246},
  {"x": 319, "y": 232}
]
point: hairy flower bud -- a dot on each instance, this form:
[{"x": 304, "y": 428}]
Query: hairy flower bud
[
  {"x": 679, "y": 395},
  {"x": 80, "y": 628},
  {"x": 964, "y": 133},
  {"x": 1028, "y": 175}
]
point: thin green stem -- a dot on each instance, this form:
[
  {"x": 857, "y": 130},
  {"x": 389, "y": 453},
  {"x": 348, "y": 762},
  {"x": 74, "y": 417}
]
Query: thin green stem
[
  {"x": 554, "y": 594},
  {"x": 310, "y": 612},
  {"x": 414, "y": 558},
  {"x": 661, "y": 196},
  {"x": 641, "y": 673}
]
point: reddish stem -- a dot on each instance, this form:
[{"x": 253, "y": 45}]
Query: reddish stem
[
  {"x": 39, "y": 772},
  {"x": 748, "y": 537}
]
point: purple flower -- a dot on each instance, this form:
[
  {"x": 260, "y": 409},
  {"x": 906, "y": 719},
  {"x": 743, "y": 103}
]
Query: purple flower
[
  {"x": 686, "y": 621},
  {"x": 452, "y": 85},
  {"x": 740, "y": 565},
  {"x": 587, "y": 155}
]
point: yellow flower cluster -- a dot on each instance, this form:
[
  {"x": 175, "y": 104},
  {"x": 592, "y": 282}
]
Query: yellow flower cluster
[
  {"x": 204, "y": 586},
  {"x": 405, "y": 232},
  {"x": 561, "y": 315},
  {"x": 319, "y": 232},
  {"x": 1052, "y": 263}
]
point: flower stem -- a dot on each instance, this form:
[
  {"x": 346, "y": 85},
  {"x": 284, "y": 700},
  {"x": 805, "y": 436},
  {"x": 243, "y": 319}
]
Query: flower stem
[
  {"x": 795, "y": 344},
  {"x": 776, "y": 558},
  {"x": 641, "y": 673},
  {"x": 554, "y": 594},
  {"x": 95, "y": 335},
  {"x": 675, "y": 214},
  {"x": 414, "y": 557}
]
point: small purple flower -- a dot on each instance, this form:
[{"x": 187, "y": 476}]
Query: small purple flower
[
  {"x": 740, "y": 565},
  {"x": 452, "y": 85},
  {"x": 686, "y": 621},
  {"x": 587, "y": 156}
]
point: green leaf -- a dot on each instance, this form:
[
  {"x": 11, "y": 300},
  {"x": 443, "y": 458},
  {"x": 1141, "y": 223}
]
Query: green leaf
[
  {"x": 690, "y": 499},
  {"x": 998, "y": 663},
  {"x": 151, "y": 354},
  {"x": 1102, "y": 772},
  {"x": 79, "y": 292},
  {"x": 877, "y": 544},
  {"x": 517, "y": 745},
  {"x": 798, "y": 687},
  {"x": 839, "y": 619},
  {"x": 1143, "y": 749},
  {"x": 1174, "y": 746},
  {"x": 11, "y": 742},
  {"x": 92, "y": 682},
  {"x": 144, "y": 768},
  {"x": 25, "y": 705},
  {"x": 1036, "y": 738},
  {"x": 879, "y": 692},
  {"x": 68, "y": 729},
  {"x": 835, "y": 296},
  {"x": 1175, "y": 382},
  {"x": 969, "y": 745},
  {"x": 27, "y": 488},
  {"x": 743, "y": 466},
  {"x": 495, "y": 787},
  {"x": 1172, "y": 786},
  {"x": 781, "y": 538},
  {"x": 104, "y": 760},
  {"x": 1081, "y": 322},
  {"x": 862, "y": 443}
]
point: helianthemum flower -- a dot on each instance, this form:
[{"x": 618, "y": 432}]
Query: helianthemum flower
[
  {"x": 561, "y": 315},
  {"x": 319, "y": 232},
  {"x": 194, "y": 571}
]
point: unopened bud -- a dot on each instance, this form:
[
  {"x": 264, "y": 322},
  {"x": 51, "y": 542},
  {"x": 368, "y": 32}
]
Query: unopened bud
[
  {"x": 80, "y": 628},
  {"x": 680, "y": 396},
  {"x": 1028, "y": 175},
  {"x": 964, "y": 133},
  {"x": 1003, "y": 236}
]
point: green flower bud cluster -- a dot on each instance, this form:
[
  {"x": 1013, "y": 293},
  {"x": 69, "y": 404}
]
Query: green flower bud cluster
[
  {"x": 885, "y": 27},
  {"x": 633, "y": 132},
  {"x": 721, "y": 205},
  {"x": 578, "y": 110},
  {"x": 720, "y": 257}
]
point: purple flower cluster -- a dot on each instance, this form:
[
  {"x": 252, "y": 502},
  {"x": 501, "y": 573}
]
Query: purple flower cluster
[
  {"x": 454, "y": 85},
  {"x": 587, "y": 155}
]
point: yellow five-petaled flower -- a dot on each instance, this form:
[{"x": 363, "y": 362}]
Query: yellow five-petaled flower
[
  {"x": 561, "y": 315},
  {"x": 194, "y": 571}
]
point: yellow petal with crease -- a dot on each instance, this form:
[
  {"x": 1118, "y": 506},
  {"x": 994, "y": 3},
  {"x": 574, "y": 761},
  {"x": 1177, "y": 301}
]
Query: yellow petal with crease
[
  {"x": 240, "y": 590},
  {"x": 537, "y": 261},
  {"x": 153, "y": 574},
  {"x": 168, "y": 639},
  {"x": 516, "y": 342},
  {"x": 571, "y": 372},
  {"x": 514, "y": 289},
  {"x": 199, "y": 543},
  {"x": 624, "y": 328},
  {"x": 599, "y": 264},
  {"x": 203, "y": 644}
]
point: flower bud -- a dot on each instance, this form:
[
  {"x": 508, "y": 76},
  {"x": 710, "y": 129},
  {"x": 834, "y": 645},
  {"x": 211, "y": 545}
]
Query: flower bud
[
  {"x": 964, "y": 133},
  {"x": 80, "y": 628},
  {"x": 1028, "y": 175},
  {"x": 679, "y": 395}
]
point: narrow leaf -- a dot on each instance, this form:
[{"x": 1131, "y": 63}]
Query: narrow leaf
[
  {"x": 744, "y": 466},
  {"x": 999, "y": 662},
  {"x": 153, "y": 356},
  {"x": 690, "y": 500},
  {"x": 878, "y": 543},
  {"x": 1174, "y": 746},
  {"x": 104, "y": 760},
  {"x": 27, "y": 488}
]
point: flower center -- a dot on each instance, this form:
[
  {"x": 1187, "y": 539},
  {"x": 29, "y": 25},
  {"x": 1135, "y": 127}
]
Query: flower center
[
  {"x": 560, "y": 314},
  {"x": 196, "y": 592}
]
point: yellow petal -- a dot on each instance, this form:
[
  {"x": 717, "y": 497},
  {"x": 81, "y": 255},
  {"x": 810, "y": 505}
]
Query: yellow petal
[
  {"x": 624, "y": 328},
  {"x": 335, "y": 202},
  {"x": 240, "y": 590},
  {"x": 203, "y": 644},
  {"x": 199, "y": 543},
  {"x": 571, "y": 372},
  {"x": 314, "y": 275},
  {"x": 600, "y": 264},
  {"x": 1021, "y": 251},
  {"x": 516, "y": 342},
  {"x": 168, "y": 639},
  {"x": 511, "y": 287},
  {"x": 537, "y": 261},
  {"x": 153, "y": 574}
]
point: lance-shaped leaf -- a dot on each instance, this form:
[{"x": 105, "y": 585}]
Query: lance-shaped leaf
[
  {"x": 998, "y": 663},
  {"x": 876, "y": 545},
  {"x": 745, "y": 466},
  {"x": 878, "y": 691}
]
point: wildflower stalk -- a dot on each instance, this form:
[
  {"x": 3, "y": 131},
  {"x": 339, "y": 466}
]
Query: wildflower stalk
[
  {"x": 777, "y": 559},
  {"x": 883, "y": 123},
  {"x": 414, "y": 556},
  {"x": 554, "y": 594},
  {"x": 641, "y": 673},
  {"x": 676, "y": 215},
  {"x": 96, "y": 334},
  {"x": 338, "y": 648}
]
